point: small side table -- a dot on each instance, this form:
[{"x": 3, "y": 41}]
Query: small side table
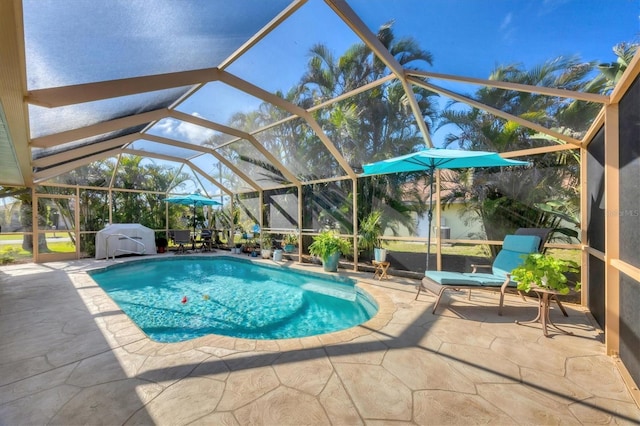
[
  {"x": 381, "y": 269},
  {"x": 545, "y": 297}
]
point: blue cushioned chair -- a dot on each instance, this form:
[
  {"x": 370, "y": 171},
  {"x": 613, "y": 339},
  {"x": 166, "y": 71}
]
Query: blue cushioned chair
[{"x": 514, "y": 249}]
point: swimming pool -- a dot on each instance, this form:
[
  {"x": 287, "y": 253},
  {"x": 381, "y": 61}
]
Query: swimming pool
[{"x": 174, "y": 300}]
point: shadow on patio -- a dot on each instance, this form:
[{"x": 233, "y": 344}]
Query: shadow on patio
[{"x": 464, "y": 365}]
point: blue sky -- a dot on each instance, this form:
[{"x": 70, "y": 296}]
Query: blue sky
[
  {"x": 466, "y": 38},
  {"x": 469, "y": 37}
]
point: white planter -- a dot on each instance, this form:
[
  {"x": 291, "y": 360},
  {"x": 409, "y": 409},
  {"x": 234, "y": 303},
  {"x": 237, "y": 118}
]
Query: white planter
[
  {"x": 266, "y": 253},
  {"x": 277, "y": 255},
  {"x": 380, "y": 254}
]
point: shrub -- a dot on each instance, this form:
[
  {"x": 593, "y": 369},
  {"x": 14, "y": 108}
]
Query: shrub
[
  {"x": 8, "y": 256},
  {"x": 544, "y": 271},
  {"x": 327, "y": 243}
]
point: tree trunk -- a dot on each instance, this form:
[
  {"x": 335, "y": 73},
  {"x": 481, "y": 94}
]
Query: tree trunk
[{"x": 26, "y": 207}]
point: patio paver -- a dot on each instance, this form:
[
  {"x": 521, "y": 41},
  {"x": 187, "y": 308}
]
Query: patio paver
[{"x": 68, "y": 355}]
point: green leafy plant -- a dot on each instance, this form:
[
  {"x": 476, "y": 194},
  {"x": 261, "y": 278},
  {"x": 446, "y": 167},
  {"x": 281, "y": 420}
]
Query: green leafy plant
[
  {"x": 290, "y": 239},
  {"x": 8, "y": 256},
  {"x": 327, "y": 243},
  {"x": 544, "y": 271},
  {"x": 266, "y": 240},
  {"x": 370, "y": 232}
]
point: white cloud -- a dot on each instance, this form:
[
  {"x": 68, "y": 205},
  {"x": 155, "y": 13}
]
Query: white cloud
[
  {"x": 549, "y": 6},
  {"x": 166, "y": 126},
  {"x": 506, "y": 22},
  {"x": 181, "y": 130},
  {"x": 507, "y": 28}
]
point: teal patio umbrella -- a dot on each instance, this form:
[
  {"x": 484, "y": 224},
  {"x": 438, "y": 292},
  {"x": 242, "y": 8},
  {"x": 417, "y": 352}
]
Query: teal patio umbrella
[
  {"x": 430, "y": 159},
  {"x": 194, "y": 200}
]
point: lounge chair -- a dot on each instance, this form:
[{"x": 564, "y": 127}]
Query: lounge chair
[
  {"x": 206, "y": 243},
  {"x": 543, "y": 233},
  {"x": 514, "y": 248},
  {"x": 182, "y": 237}
]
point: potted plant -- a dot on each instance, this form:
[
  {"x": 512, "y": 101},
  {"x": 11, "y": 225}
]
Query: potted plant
[
  {"x": 290, "y": 242},
  {"x": 544, "y": 271},
  {"x": 250, "y": 247},
  {"x": 329, "y": 246},
  {"x": 161, "y": 244},
  {"x": 369, "y": 237},
  {"x": 266, "y": 241}
]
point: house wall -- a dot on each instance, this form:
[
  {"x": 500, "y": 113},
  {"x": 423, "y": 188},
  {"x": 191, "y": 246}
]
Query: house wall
[
  {"x": 460, "y": 227},
  {"x": 450, "y": 218}
]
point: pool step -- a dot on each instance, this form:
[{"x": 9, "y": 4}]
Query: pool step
[{"x": 337, "y": 292}]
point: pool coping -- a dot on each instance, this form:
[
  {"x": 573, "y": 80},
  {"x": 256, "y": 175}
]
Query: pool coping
[{"x": 122, "y": 331}]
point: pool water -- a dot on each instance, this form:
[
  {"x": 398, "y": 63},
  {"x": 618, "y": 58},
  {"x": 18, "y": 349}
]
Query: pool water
[{"x": 174, "y": 300}]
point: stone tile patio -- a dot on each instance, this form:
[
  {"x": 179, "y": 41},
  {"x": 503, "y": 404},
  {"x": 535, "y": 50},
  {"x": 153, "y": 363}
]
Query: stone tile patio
[{"x": 69, "y": 356}]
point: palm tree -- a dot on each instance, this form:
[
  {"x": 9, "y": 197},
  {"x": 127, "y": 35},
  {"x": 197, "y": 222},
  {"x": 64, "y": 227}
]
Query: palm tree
[
  {"x": 373, "y": 125},
  {"x": 366, "y": 127},
  {"x": 481, "y": 130},
  {"x": 507, "y": 200},
  {"x": 612, "y": 71}
]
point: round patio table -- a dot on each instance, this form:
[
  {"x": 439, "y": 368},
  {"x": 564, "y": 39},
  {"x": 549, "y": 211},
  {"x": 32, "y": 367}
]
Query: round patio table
[{"x": 545, "y": 297}]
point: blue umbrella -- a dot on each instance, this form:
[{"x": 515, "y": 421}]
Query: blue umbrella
[
  {"x": 429, "y": 160},
  {"x": 192, "y": 200}
]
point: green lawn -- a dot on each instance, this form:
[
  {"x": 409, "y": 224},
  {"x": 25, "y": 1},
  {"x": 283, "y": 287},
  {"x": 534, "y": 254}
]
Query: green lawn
[
  {"x": 14, "y": 253},
  {"x": 16, "y": 237},
  {"x": 477, "y": 250}
]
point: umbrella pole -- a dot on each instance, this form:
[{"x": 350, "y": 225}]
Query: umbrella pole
[
  {"x": 193, "y": 239},
  {"x": 430, "y": 217}
]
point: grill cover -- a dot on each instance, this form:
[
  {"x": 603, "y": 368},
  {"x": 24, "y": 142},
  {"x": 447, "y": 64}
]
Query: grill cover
[{"x": 115, "y": 237}]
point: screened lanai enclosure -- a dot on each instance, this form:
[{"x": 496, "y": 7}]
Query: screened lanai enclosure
[{"x": 271, "y": 108}]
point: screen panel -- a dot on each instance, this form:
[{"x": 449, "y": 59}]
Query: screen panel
[
  {"x": 183, "y": 131},
  {"x": 231, "y": 107},
  {"x": 243, "y": 155},
  {"x": 292, "y": 43},
  {"x": 46, "y": 121},
  {"x": 300, "y": 150},
  {"x": 97, "y": 174},
  {"x": 141, "y": 173},
  {"x": 94, "y": 209},
  {"x": 94, "y": 41},
  {"x": 328, "y": 205},
  {"x": 596, "y": 290},
  {"x": 248, "y": 206},
  {"x": 629, "y": 122},
  {"x": 595, "y": 192},
  {"x": 630, "y": 325},
  {"x": 163, "y": 149},
  {"x": 220, "y": 172},
  {"x": 281, "y": 209}
]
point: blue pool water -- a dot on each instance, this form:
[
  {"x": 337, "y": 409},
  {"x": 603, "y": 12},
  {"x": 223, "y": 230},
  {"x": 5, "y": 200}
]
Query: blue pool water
[{"x": 232, "y": 297}]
